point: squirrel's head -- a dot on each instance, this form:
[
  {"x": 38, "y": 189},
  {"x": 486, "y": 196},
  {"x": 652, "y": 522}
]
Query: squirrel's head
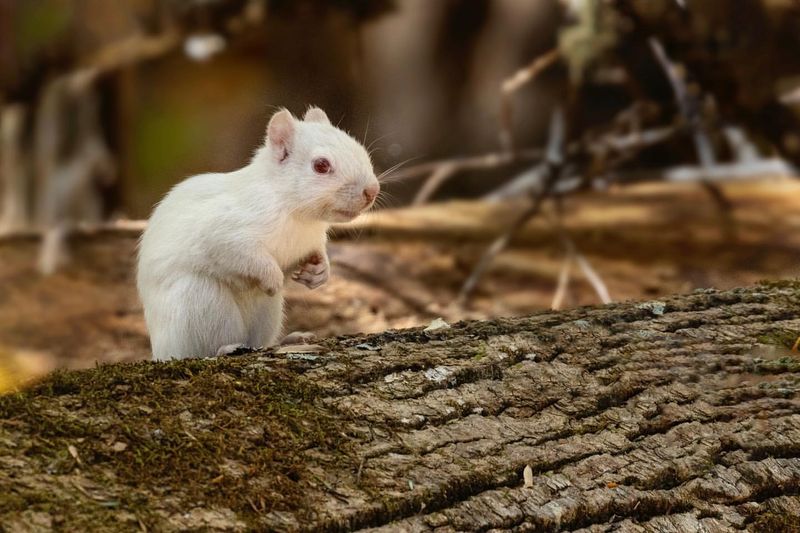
[{"x": 329, "y": 174}]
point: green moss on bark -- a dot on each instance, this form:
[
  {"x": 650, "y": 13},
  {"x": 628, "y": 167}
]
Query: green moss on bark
[{"x": 209, "y": 432}]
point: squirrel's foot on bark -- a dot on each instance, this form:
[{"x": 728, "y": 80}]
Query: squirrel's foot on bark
[
  {"x": 298, "y": 337},
  {"x": 235, "y": 349}
]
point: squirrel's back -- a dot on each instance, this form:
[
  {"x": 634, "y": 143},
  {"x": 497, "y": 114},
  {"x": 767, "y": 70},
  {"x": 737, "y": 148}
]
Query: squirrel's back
[{"x": 171, "y": 236}]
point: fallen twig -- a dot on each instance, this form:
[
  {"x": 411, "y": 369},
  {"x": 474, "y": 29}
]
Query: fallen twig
[
  {"x": 592, "y": 277},
  {"x": 687, "y": 105},
  {"x": 477, "y": 162},
  {"x": 573, "y": 254},
  {"x": 552, "y": 171},
  {"x": 132, "y": 228},
  {"x": 436, "y": 180},
  {"x": 563, "y": 282},
  {"x": 689, "y": 108},
  {"x": 511, "y": 85},
  {"x": 743, "y": 150},
  {"x": 727, "y": 172},
  {"x": 442, "y": 170},
  {"x": 128, "y": 51},
  {"x": 531, "y": 179}
]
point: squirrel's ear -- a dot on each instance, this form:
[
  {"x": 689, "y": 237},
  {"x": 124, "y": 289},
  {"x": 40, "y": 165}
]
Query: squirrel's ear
[
  {"x": 280, "y": 134},
  {"x": 315, "y": 114}
]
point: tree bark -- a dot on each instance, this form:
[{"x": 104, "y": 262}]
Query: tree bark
[{"x": 675, "y": 415}]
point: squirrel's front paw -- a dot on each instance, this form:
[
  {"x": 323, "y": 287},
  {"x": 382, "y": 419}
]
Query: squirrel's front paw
[
  {"x": 271, "y": 282},
  {"x": 312, "y": 271}
]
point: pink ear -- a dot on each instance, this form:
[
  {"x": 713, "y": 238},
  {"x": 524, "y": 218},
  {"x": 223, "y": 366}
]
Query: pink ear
[
  {"x": 315, "y": 114},
  {"x": 280, "y": 134}
]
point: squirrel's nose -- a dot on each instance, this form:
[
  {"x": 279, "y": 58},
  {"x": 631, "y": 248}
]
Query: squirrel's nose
[{"x": 371, "y": 192}]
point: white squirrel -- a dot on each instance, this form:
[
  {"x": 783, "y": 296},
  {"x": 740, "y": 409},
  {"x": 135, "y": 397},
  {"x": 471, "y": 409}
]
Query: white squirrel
[{"x": 218, "y": 247}]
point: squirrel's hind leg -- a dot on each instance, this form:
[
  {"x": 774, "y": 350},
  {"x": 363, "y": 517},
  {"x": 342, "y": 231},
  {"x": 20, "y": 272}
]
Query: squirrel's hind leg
[
  {"x": 193, "y": 318},
  {"x": 265, "y": 320}
]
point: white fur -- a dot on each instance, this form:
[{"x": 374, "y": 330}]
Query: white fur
[{"x": 218, "y": 244}]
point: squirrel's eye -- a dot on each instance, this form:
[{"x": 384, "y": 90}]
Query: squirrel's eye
[{"x": 322, "y": 165}]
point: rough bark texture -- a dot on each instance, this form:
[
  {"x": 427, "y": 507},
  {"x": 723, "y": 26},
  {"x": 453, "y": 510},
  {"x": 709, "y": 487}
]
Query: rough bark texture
[{"x": 676, "y": 415}]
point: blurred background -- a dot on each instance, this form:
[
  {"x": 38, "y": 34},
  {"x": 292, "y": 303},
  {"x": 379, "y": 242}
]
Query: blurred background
[{"x": 536, "y": 153}]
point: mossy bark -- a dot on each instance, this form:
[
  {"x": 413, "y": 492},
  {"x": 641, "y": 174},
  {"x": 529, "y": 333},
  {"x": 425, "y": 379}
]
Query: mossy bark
[{"x": 676, "y": 415}]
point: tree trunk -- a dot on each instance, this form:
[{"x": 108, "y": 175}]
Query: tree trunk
[
  {"x": 676, "y": 415},
  {"x": 14, "y": 185}
]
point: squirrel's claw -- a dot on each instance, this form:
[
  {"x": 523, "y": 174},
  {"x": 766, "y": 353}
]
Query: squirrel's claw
[{"x": 313, "y": 272}]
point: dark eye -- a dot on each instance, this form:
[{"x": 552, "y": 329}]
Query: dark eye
[{"x": 322, "y": 165}]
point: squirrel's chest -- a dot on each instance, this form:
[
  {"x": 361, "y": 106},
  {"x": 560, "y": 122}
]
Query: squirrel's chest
[{"x": 294, "y": 242}]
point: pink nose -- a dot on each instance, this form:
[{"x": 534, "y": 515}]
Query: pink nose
[{"x": 371, "y": 192}]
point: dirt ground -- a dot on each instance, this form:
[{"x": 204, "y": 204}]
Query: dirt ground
[{"x": 400, "y": 268}]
